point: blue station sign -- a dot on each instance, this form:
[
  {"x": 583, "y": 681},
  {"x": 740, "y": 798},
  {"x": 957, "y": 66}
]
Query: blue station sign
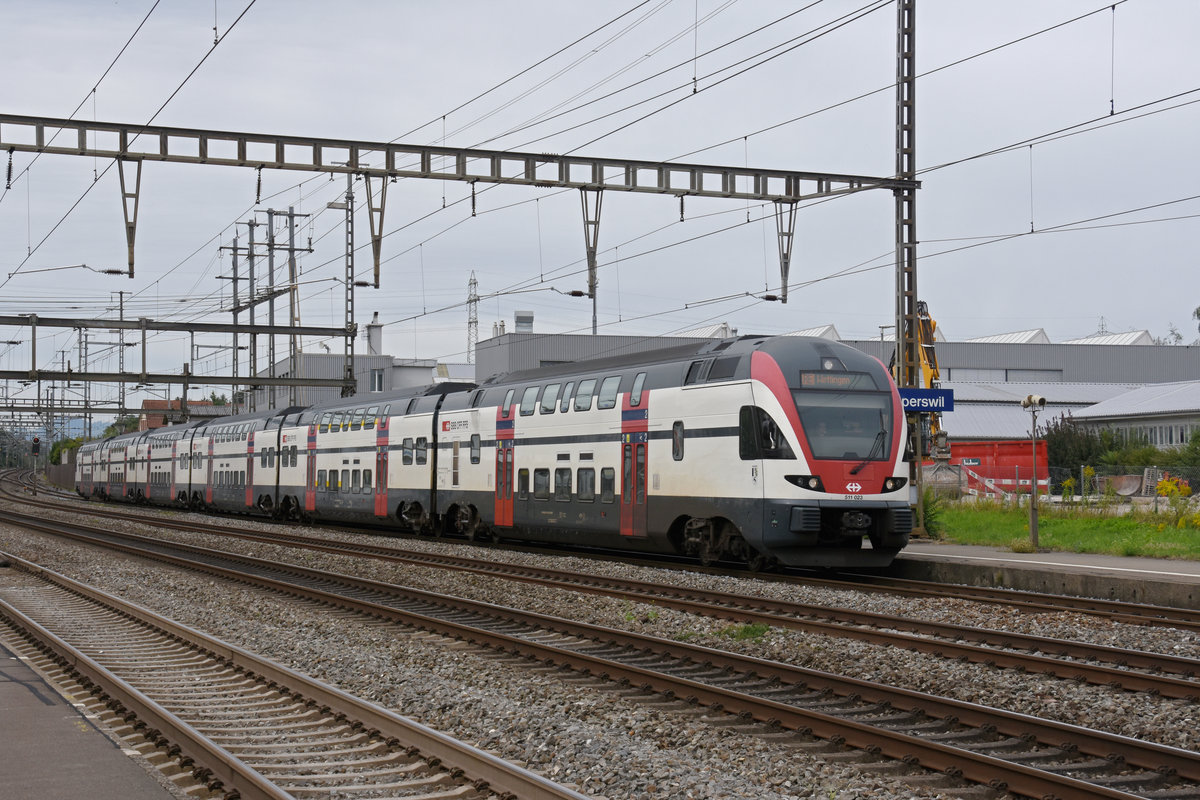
[{"x": 927, "y": 400}]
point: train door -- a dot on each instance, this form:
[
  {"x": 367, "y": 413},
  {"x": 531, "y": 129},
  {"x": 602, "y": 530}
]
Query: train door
[
  {"x": 381, "y": 464},
  {"x": 208, "y": 471},
  {"x": 310, "y": 471},
  {"x": 633, "y": 488},
  {"x": 635, "y": 421},
  {"x": 250, "y": 468},
  {"x": 505, "y": 472}
]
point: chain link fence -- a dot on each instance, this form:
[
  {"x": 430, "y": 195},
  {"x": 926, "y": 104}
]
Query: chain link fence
[{"x": 1088, "y": 484}]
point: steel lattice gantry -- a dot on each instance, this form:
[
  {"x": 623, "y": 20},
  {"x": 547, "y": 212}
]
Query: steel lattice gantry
[{"x": 131, "y": 145}]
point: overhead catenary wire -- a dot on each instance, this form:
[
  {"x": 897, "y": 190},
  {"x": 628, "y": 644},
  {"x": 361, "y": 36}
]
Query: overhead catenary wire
[{"x": 109, "y": 167}]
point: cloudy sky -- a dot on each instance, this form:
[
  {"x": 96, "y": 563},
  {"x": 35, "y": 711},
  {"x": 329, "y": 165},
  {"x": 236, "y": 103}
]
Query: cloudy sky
[{"x": 1088, "y": 214}]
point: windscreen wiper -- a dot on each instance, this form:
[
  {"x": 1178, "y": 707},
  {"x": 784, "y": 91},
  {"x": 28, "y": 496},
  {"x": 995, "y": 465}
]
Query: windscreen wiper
[{"x": 879, "y": 438}]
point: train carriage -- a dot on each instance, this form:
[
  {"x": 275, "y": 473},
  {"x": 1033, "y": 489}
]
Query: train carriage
[{"x": 754, "y": 449}]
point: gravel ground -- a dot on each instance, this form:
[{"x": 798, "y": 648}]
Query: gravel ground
[{"x": 602, "y": 743}]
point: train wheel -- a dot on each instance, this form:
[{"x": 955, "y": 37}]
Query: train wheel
[
  {"x": 466, "y": 520},
  {"x": 759, "y": 562}
]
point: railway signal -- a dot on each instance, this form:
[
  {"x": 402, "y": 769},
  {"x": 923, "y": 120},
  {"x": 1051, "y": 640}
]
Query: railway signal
[{"x": 37, "y": 446}]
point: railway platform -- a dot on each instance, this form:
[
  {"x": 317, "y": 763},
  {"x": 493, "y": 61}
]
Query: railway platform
[
  {"x": 51, "y": 751},
  {"x": 1155, "y": 581}
]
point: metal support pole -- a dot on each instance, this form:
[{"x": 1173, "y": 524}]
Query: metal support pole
[
  {"x": 591, "y": 199},
  {"x": 785, "y": 228},
  {"x": 907, "y": 357},
  {"x": 294, "y": 341},
  {"x": 271, "y": 301},
  {"x": 349, "y": 389},
  {"x": 252, "y": 372}
]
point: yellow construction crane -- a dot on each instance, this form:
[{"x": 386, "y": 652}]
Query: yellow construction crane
[{"x": 932, "y": 436}]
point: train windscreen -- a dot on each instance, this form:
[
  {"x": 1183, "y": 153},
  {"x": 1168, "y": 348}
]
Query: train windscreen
[{"x": 846, "y": 425}]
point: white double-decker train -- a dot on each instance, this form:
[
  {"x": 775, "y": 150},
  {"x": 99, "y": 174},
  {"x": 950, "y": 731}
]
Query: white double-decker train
[{"x": 752, "y": 449}]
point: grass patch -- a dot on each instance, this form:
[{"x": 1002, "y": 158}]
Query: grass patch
[
  {"x": 755, "y": 630},
  {"x": 1138, "y": 533}
]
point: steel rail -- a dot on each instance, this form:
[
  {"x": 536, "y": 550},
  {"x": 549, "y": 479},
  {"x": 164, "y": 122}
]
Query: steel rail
[
  {"x": 228, "y": 769},
  {"x": 934, "y": 755},
  {"x": 481, "y": 767},
  {"x": 789, "y": 614}
]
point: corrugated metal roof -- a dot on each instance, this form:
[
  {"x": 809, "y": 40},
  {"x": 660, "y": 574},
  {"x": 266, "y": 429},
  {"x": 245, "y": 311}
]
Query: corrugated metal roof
[
  {"x": 821, "y": 331},
  {"x": 1056, "y": 393},
  {"x": 1157, "y": 398},
  {"x": 719, "y": 331},
  {"x": 995, "y": 420},
  {"x": 1127, "y": 338},
  {"x": 1035, "y": 336}
]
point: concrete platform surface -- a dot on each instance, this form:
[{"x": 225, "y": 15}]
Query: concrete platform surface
[
  {"x": 1154, "y": 581},
  {"x": 50, "y": 751}
]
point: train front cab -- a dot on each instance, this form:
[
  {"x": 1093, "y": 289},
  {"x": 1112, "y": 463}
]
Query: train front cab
[{"x": 827, "y": 435}]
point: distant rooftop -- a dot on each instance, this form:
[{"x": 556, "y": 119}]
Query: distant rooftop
[
  {"x": 1127, "y": 338},
  {"x": 821, "y": 331},
  {"x": 1156, "y": 398},
  {"x": 1035, "y": 336}
]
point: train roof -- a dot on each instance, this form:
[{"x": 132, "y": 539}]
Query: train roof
[{"x": 802, "y": 352}]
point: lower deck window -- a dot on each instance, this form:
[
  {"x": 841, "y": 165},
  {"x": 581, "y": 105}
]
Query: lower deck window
[
  {"x": 562, "y": 483},
  {"x": 541, "y": 484}
]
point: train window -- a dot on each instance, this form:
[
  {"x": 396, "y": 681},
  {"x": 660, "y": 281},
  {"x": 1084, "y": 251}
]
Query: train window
[
  {"x": 295, "y": 455},
  {"x": 345, "y": 480},
  {"x": 583, "y": 398},
  {"x": 422, "y": 450},
  {"x": 586, "y": 480},
  {"x": 627, "y": 476},
  {"x": 608, "y": 485},
  {"x": 635, "y": 395},
  {"x": 508, "y": 401},
  {"x": 355, "y": 478},
  {"x": 541, "y": 484},
  {"x": 412, "y": 406},
  {"x": 477, "y": 398},
  {"x": 760, "y": 437},
  {"x": 529, "y": 401},
  {"x": 607, "y": 396},
  {"x": 320, "y": 480},
  {"x": 406, "y": 451},
  {"x": 356, "y": 419},
  {"x": 677, "y": 437},
  {"x": 369, "y": 421},
  {"x": 562, "y": 483},
  {"x": 387, "y": 411},
  {"x": 693, "y": 373},
  {"x": 747, "y": 434},
  {"x": 639, "y": 480},
  {"x": 241, "y": 477},
  {"x": 324, "y": 426},
  {"x": 550, "y": 398},
  {"x": 476, "y": 447},
  {"x": 523, "y": 484},
  {"x": 366, "y": 479},
  {"x": 245, "y": 431},
  {"x": 724, "y": 368},
  {"x": 566, "y": 398}
]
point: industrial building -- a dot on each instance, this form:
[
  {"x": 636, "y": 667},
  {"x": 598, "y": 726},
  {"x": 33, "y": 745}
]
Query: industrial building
[{"x": 1108, "y": 380}]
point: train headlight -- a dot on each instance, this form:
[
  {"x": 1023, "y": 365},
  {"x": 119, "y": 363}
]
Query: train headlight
[
  {"x": 810, "y": 482},
  {"x": 892, "y": 484}
]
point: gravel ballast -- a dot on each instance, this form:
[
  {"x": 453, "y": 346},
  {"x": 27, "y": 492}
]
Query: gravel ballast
[{"x": 598, "y": 740}]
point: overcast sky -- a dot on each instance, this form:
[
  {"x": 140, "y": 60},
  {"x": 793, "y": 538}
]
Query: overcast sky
[{"x": 1113, "y": 209}]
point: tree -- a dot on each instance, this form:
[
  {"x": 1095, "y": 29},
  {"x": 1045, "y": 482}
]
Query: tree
[
  {"x": 1071, "y": 446},
  {"x": 218, "y": 399},
  {"x": 122, "y": 425},
  {"x": 60, "y": 446}
]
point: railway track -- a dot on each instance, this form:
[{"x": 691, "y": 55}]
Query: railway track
[
  {"x": 245, "y": 726},
  {"x": 1134, "y": 670},
  {"x": 1021, "y": 753},
  {"x": 1033, "y": 602}
]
